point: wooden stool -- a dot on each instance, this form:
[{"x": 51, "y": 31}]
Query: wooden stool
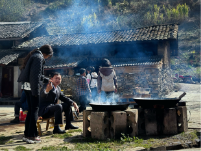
[{"x": 49, "y": 121}]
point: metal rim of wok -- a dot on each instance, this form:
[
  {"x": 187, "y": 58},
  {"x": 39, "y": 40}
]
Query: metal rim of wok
[
  {"x": 150, "y": 102},
  {"x": 109, "y": 107}
]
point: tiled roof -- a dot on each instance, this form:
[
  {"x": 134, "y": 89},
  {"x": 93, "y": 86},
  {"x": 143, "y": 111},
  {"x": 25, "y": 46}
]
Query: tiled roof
[
  {"x": 17, "y": 29},
  {"x": 121, "y": 62},
  {"x": 9, "y": 55},
  {"x": 160, "y": 32},
  {"x": 57, "y": 62}
]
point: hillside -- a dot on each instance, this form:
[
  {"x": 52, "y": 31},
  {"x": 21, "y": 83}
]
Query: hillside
[{"x": 72, "y": 16}]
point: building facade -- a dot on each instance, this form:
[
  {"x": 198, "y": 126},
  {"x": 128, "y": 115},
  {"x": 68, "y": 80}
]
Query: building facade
[{"x": 141, "y": 57}]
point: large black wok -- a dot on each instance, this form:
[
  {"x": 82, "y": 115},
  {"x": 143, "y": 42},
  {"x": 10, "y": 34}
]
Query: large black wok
[
  {"x": 109, "y": 107},
  {"x": 162, "y": 102}
]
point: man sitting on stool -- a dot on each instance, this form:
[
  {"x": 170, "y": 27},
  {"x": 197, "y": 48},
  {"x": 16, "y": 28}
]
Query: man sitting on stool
[{"x": 49, "y": 104}]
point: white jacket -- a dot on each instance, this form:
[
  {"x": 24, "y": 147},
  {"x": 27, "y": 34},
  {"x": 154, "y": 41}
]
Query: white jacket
[
  {"x": 108, "y": 82},
  {"x": 94, "y": 77}
]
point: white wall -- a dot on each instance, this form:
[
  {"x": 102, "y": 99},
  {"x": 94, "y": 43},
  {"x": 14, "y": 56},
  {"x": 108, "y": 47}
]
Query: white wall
[{"x": 16, "y": 85}]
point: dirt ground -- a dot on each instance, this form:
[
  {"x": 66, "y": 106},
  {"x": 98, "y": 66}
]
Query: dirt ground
[
  {"x": 192, "y": 99},
  {"x": 17, "y": 131}
]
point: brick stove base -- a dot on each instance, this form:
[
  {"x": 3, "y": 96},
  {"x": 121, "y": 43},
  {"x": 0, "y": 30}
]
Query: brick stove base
[
  {"x": 103, "y": 125},
  {"x": 167, "y": 121}
]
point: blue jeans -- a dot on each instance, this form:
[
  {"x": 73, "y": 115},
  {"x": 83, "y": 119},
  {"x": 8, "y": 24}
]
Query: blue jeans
[{"x": 83, "y": 102}]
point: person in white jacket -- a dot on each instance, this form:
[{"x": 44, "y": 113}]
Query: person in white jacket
[{"x": 107, "y": 80}]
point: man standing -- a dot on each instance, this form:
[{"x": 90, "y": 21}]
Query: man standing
[
  {"x": 49, "y": 104},
  {"x": 83, "y": 90}
]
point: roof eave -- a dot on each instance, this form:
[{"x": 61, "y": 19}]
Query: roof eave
[{"x": 6, "y": 39}]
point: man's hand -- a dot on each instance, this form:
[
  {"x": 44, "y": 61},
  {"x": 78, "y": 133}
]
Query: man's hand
[
  {"x": 49, "y": 87},
  {"x": 115, "y": 90},
  {"x": 76, "y": 107}
]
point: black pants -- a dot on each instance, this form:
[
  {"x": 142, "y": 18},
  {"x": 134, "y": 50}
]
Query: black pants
[
  {"x": 32, "y": 115},
  {"x": 18, "y": 105},
  {"x": 56, "y": 111},
  {"x": 83, "y": 102}
]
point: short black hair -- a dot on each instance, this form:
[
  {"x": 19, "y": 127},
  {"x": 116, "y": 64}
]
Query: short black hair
[
  {"x": 82, "y": 70},
  {"x": 92, "y": 69},
  {"x": 55, "y": 73}
]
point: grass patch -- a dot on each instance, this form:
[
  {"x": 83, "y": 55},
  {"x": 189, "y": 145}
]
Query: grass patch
[
  {"x": 66, "y": 135},
  {"x": 62, "y": 136},
  {"x": 4, "y": 149},
  {"x": 4, "y": 139},
  {"x": 94, "y": 144},
  {"x": 90, "y": 146},
  {"x": 111, "y": 144},
  {"x": 193, "y": 135},
  {"x": 190, "y": 135},
  {"x": 76, "y": 130},
  {"x": 21, "y": 148},
  {"x": 51, "y": 148},
  {"x": 9, "y": 142}
]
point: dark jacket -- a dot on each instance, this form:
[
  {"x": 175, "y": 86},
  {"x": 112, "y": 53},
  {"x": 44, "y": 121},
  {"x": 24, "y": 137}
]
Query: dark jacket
[
  {"x": 106, "y": 71},
  {"x": 34, "y": 72},
  {"x": 49, "y": 99}
]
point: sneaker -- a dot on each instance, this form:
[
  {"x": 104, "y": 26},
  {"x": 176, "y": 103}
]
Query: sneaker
[
  {"x": 15, "y": 120},
  {"x": 33, "y": 140},
  {"x": 24, "y": 139}
]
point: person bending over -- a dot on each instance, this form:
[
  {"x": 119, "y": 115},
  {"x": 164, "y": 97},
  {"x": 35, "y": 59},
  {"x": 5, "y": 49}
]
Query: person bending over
[{"x": 50, "y": 106}]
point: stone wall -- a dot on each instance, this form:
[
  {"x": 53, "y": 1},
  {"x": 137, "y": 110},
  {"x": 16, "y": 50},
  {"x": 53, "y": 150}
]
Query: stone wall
[
  {"x": 68, "y": 85},
  {"x": 160, "y": 81},
  {"x": 166, "y": 81}
]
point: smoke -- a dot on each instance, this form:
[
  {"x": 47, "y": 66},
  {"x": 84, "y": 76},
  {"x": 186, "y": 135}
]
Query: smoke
[
  {"x": 81, "y": 17},
  {"x": 111, "y": 99}
]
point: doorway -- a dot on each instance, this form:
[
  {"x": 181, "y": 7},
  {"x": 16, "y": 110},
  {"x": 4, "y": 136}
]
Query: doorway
[{"x": 7, "y": 82}]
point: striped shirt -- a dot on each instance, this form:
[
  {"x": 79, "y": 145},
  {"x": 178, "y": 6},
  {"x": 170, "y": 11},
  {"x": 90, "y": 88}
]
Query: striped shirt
[{"x": 82, "y": 86}]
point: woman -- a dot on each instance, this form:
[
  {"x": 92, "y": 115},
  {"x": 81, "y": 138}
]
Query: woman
[
  {"x": 33, "y": 74},
  {"x": 93, "y": 83},
  {"x": 107, "y": 80},
  {"x": 88, "y": 74}
]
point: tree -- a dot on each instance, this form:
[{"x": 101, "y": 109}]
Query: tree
[{"x": 12, "y": 10}]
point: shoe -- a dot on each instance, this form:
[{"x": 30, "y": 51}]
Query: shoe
[
  {"x": 71, "y": 127},
  {"x": 57, "y": 130},
  {"x": 33, "y": 140},
  {"x": 15, "y": 120},
  {"x": 75, "y": 114},
  {"x": 24, "y": 139}
]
